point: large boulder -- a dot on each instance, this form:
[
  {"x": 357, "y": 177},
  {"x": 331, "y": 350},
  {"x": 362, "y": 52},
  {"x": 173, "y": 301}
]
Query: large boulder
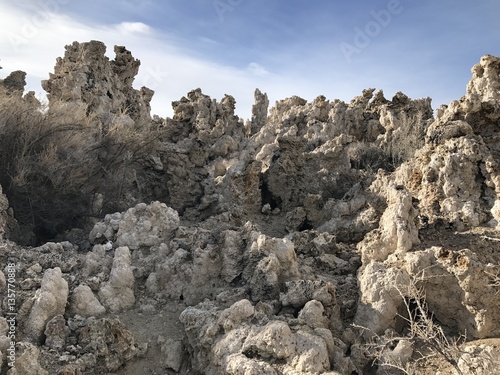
[
  {"x": 49, "y": 301},
  {"x": 118, "y": 293},
  {"x": 142, "y": 225}
]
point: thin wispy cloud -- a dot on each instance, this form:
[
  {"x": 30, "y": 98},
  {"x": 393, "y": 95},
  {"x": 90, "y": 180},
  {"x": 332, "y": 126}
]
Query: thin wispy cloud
[
  {"x": 164, "y": 66},
  {"x": 134, "y": 28},
  {"x": 257, "y": 69},
  {"x": 295, "y": 48}
]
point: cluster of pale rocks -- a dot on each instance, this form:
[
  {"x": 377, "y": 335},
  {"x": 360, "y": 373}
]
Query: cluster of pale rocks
[{"x": 271, "y": 239}]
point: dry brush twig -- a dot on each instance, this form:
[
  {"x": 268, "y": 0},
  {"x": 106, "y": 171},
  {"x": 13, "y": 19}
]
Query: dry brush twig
[{"x": 422, "y": 331}]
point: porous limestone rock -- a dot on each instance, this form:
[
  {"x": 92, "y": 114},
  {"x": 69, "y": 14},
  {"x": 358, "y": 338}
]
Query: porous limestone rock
[
  {"x": 397, "y": 231},
  {"x": 447, "y": 184},
  {"x": 110, "y": 341},
  {"x": 201, "y": 328},
  {"x": 480, "y": 357},
  {"x": 454, "y": 181},
  {"x": 399, "y": 355},
  {"x": 238, "y": 364},
  {"x": 85, "y": 303},
  {"x": 7, "y": 350},
  {"x": 9, "y": 227},
  {"x": 339, "y": 361},
  {"x": 173, "y": 353},
  {"x": 274, "y": 340},
  {"x": 56, "y": 332},
  {"x": 118, "y": 293},
  {"x": 277, "y": 264},
  {"x": 312, "y": 354},
  {"x": 455, "y": 176},
  {"x": 14, "y": 83},
  {"x": 459, "y": 289},
  {"x": 50, "y": 301},
  {"x": 220, "y": 349},
  {"x": 312, "y": 314},
  {"x": 201, "y": 262},
  {"x": 86, "y": 363},
  {"x": 142, "y": 225},
  {"x": 4, "y": 326},
  {"x": 299, "y": 292},
  {"x": 265, "y": 282},
  {"x": 97, "y": 261},
  {"x": 147, "y": 225},
  {"x": 437, "y": 133},
  {"x": 27, "y": 362},
  {"x": 191, "y": 270},
  {"x": 400, "y": 108},
  {"x": 4, "y": 205},
  {"x": 217, "y": 337},
  {"x": 236, "y": 314},
  {"x": 259, "y": 111},
  {"x": 202, "y": 142},
  {"x": 232, "y": 255},
  {"x": 297, "y": 159},
  {"x": 382, "y": 295},
  {"x": 89, "y": 81},
  {"x": 3, "y": 281},
  {"x": 480, "y": 105},
  {"x": 307, "y": 172}
]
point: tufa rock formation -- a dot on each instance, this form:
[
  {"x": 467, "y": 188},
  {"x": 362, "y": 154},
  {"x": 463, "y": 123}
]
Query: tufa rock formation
[
  {"x": 320, "y": 237},
  {"x": 88, "y": 80}
]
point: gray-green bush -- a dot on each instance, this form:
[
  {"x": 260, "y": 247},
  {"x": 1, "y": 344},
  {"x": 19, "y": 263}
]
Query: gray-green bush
[{"x": 55, "y": 164}]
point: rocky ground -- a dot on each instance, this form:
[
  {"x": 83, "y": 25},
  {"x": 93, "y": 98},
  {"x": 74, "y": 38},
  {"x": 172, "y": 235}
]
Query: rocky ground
[{"x": 318, "y": 237}]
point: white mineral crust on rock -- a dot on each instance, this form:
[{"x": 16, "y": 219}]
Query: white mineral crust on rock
[
  {"x": 118, "y": 293},
  {"x": 50, "y": 300},
  {"x": 85, "y": 303}
]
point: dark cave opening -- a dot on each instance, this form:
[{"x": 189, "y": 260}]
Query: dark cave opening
[
  {"x": 267, "y": 197},
  {"x": 306, "y": 225}
]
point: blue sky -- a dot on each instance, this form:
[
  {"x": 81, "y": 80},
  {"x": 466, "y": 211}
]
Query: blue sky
[{"x": 305, "y": 48}]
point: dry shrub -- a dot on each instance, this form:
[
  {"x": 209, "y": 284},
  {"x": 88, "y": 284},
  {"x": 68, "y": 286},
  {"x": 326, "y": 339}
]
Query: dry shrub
[
  {"x": 397, "y": 146},
  {"x": 423, "y": 339},
  {"x": 55, "y": 164},
  {"x": 407, "y": 138},
  {"x": 370, "y": 157}
]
